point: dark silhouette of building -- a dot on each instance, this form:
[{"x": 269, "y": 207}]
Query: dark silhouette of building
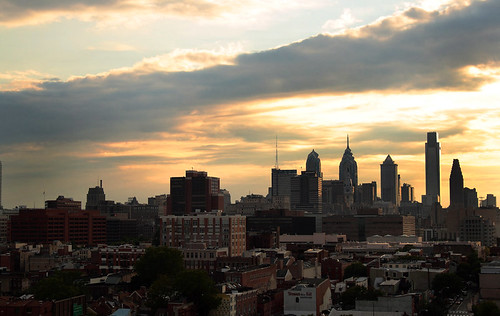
[
  {"x": 368, "y": 222},
  {"x": 433, "y": 167},
  {"x": 470, "y": 198},
  {"x": 63, "y": 203},
  {"x": 95, "y": 197},
  {"x": 407, "y": 193},
  {"x": 348, "y": 167},
  {"x": 196, "y": 192},
  {"x": 307, "y": 192},
  {"x": 456, "y": 185},
  {"x": 281, "y": 186},
  {"x": 334, "y": 198},
  {"x": 313, "y": 163},
  {"x": 48, "y": 225},
  {"x": 389, "y": 181},
  {"x": 1, "y": 185}
]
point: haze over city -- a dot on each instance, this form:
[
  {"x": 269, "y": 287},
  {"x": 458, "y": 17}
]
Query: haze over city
[{"x": 136, "y": 93}]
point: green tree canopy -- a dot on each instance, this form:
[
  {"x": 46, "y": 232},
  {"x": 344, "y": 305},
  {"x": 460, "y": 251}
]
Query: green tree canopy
[
  {"x": 160, "y": 292},
  {"x": 59, "y": 286},
  {"x": 354, "y": 293},
  {"x": 447, "y": 284},
  {"x": 356, "y": 269},
  {"x": 158, "y": 261},
  {"x": 197, "y": 286}
]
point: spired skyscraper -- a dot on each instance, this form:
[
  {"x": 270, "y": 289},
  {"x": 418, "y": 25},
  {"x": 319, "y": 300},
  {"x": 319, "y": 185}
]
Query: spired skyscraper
[
  {"x": 432, "y": 169},
  {"x": 313, "y": 163},
  {"x": 389, "y": 181},
  {"x": 348, "y": 168}
]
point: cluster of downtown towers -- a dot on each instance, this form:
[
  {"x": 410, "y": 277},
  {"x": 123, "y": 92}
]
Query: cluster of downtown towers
[{"x": 308, "y": 191}]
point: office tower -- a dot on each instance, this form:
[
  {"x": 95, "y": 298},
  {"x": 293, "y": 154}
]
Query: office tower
[
  {"x": 95, "y": 197},
  {"x": 407, "y": 193},
  {"x": 348, "y": 168},
  {"x": 307, "y": 192},
  {"x": 490, "y": 201},
  {"x": 313, "y": 163},
  {"x": 368, "y": 193},
  {"x": 281, "y": 187},
  {"x": 470, "y": 198},
  {"x": 389, "y": 181},
  {"x": 307, "y": 188},
  {"x": 456, "y": 185},
  {"x": 433, "y": 167},
  {"x": 196, "y": 192}
]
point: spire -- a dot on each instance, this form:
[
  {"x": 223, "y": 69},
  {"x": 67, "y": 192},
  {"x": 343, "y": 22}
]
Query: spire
[
  {"x": 347, "y": 140},
  {"x": 276, "y": 166}
]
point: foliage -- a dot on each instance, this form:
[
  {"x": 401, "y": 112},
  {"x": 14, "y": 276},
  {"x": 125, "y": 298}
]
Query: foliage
[
  {"x": 447, "y": 284},
  {"x": 160, "y": 292},
  {"x": 59, "y": 286},
  {"x": 158, "y": 261},
  {"x": 407, "y": 248},
  {"x": 354, "y": 293},
  {"x": 470, "y": 269},
  {"x": 434, "y": 308},
  {"x": 486, "y": 308},
  {"x": 197, "y": 286},
  {"x": 356, "y": 269}
]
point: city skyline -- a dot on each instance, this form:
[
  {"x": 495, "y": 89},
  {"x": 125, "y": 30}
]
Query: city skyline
[{"x": 134, "y": 94}]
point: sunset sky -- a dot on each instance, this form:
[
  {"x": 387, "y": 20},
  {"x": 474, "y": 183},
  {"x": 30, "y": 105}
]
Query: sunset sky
[{"x": 135, "y": 92}]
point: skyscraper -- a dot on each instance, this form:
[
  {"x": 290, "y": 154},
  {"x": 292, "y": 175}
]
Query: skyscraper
[
  {"x": 95, "y": 197},
  {"x": 348, "y": 168},
  {"x": 313, "y": 163},
  {"x": 389, "y": 181},
  {"x": 433, "y": 167},
  {"x": 456, "y": 185}
]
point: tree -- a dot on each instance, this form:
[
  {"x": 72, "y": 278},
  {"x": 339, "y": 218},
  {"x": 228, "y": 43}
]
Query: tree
[
  {"x": 354, "y": 293},
  {"x": 158, "y": 261},
  {"x": 356, "y": 269},
  {"x": 197, "y": 287},
  {"x": 447, "y": 284},
  {"x": 160, "y": 292},
  {"x": 486, "y": 308},
  {"x": 59, "y": 286}
]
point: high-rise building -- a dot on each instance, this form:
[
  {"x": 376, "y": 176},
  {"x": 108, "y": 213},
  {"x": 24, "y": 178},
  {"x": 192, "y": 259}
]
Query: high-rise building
[
  {"x": 470, "y": 198},
  {"x": 313, "y": 163},
  {"x": 407, "y": 193},
  {"x": 490, "y": 201},
  {"x": 348, "y": 168},
  {"x": 456, "y": 185},
  {"x": 281, "y": 186},
  {"x": 433, "y": 167},
  {"x": 196, "y": 192},
  {"x": 95, "y": 197},
  {"x": 63, "y": 203},
  {"x": 307, "y": 192},
  {"x": 389, "y": 181}
]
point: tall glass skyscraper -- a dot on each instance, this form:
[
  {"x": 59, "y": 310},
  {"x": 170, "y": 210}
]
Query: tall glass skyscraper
[{"x": 433, "y": 167}]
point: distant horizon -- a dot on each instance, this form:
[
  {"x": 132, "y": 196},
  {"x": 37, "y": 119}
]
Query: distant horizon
[{"x": 134, "y": 93}]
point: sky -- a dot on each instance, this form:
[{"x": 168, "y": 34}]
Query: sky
[{"x": 136, "y": 92}]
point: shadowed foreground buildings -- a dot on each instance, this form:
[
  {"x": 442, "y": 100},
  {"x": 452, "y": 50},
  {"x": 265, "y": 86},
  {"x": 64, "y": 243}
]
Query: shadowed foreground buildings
[{"x": 48, "y": 225}]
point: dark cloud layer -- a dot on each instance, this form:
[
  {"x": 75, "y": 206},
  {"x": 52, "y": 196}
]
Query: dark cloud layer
[{"x": 428, "y": 55}]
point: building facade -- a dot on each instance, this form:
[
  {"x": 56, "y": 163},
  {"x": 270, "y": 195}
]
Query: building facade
[
  {"x": 456, "y": 185},
  {"x": 215, "y": 230},
  {"x": 433, "y": 167},
  {"x": 48, "y": 225},
  {"x": 196, "y": 192},
  {"x": 389, "y": 181}
]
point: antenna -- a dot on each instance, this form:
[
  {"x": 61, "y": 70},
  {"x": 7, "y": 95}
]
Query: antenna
[{"x": 276, "y": 165}]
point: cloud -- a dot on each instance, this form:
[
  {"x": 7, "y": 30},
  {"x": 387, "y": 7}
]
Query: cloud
[
  {"x": 122, "y": 13},
  {"x": 345, "y": 20}
]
